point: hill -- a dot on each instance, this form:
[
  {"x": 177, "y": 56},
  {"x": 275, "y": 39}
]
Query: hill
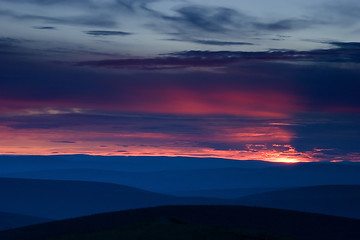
[
  {"x": 223, "y": 220},
  {"x": 64, "y": 199},
  {"x": 226, "y": 193},
  {"x": 339, "y": 200},
  {"x": 179, "y": 181},
  {"x": 12, "y": 220},
  {"x": 59, "y": 199},
  {"x": 164, "y": 229}
]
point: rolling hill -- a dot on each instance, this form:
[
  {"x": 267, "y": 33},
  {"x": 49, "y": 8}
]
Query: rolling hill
[
  {"x": 12, "y": 220},
  {"x": 60, "y": 199},
  {"x": 64, "y": 199},
  {"x": 182, "y": 221},
  {"x": 231, "y": 193},
  {"x": 179, "y": 181},
  {"x": 339, "y": 200}
]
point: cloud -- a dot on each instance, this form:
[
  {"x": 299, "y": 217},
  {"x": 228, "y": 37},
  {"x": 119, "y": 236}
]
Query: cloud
[
  {"x": 200, "y": 22},
  {"x": 45, "y": 27},
  {"x": 63, "y": 141},
  {"x": 249, "y": 80},
  {"x": 93, "y": 5},
  {"x": 208, "y": 19},
  {"x": 208, "y": 22},
  {"x": 107, "y": 33},
  {"x": 346, "y": 45},
  {"x": 12, "y": 47},
  {"x": 6, "y": 42},
  {"x": 342, "y": 13},
  {"x": 285, "y": 25},
  {"x": 157, "y": 63},
  {"x": 254, "y": 100},
  {"x": 222, "y": 132},
  {"x": 212, "y": 42},
  {"x": 342, "y": 53},
  {"x": 233, "y": 137},
  {"x": 328, "y": 132},
  {"x": 87, "y": 19},
  {"x": 101, "y": 20}
]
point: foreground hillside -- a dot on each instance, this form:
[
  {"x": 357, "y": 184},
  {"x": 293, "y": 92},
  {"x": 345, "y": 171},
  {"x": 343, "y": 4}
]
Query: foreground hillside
[
  {"x": 172, "y": 221},
  {"x": 164, "y": 229}
]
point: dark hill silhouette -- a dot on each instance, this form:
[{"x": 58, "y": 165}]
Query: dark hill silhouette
[
  {"x": 165, "y": 229},
  {"x": 298, "y": 225},
  {"x": 340, "y": 200},
  {"x": 12, "y": 220}
]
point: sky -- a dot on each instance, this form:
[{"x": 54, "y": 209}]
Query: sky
[{"x": 246, "y": 80}]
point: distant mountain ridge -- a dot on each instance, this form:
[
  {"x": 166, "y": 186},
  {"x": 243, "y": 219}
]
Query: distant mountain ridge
[
  {"x": 14, "y": 163},
  {"x": 173, "y": 181}
]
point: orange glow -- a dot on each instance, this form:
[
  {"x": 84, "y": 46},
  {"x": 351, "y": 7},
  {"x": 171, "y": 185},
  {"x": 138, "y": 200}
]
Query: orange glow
[
  {"x": 45, "y": 142},
  {"x": 255, "y": 134},
  {"x": 95, "y": 149},
  {"x": 267, "y": 143}
]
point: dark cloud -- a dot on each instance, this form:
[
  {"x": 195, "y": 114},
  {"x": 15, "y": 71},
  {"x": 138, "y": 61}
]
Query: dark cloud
[
  {"x": 342, "y": 53},
  {"x": 346, "y": 45},
  {"x": 45, "y": 27},
  {"x": 208, "y": 19},
  {"x": 125, "y": 5},
  {"x": 12, "y": 47},
  {"x": 336, "y": 134},
  {"x": 200, "y": 21},
  {"x": 63, "y": 141},
  {"x": 107, "y": 33},
  {"x": 212, "y": 42},
  {"x": 86, "y": 20},
  {"x": 158, "y": 63},
  {"x": 6, "y": 42},
  {"x": 96, "y": 19},
  {"x": 285, "y": 25},
  {"x": 45, "y": 2}
]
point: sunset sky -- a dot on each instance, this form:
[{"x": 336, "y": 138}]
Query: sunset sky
[{"x": 249, "y": 80}]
